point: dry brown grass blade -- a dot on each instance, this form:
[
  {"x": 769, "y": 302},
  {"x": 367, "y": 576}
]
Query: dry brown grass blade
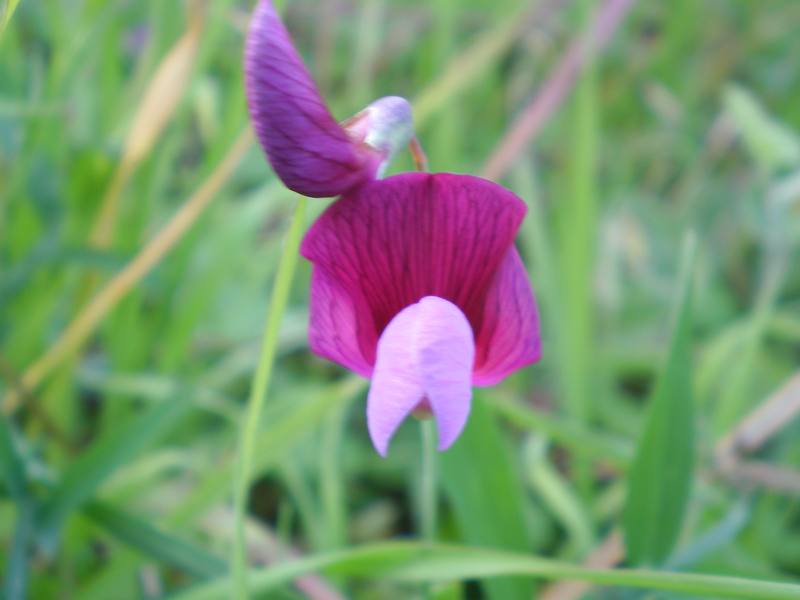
[
  {"x": 556, "y": 88},
  {"x": 608, "y": 554},
  {"x": 107, "y": 298},
  {"x": 752, "y": 432},
  {"x": 157, "y": 106},
  {"x": 769, "y": 417},
  {"x": 749, "y": 474}
]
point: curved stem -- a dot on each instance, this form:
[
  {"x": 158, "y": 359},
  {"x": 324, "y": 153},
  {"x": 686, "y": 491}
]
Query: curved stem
[
  {"x": 416, "y": 562},
  {"x": 428, "y": 481},
  {"x": 258, "y": 390}
]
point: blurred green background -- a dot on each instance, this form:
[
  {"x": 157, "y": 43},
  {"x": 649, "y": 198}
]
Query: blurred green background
[{"x": 631, "y": 443}]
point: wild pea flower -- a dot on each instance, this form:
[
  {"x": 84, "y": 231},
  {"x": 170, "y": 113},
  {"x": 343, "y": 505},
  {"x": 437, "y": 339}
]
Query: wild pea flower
[{"x": 416, "y": 283}]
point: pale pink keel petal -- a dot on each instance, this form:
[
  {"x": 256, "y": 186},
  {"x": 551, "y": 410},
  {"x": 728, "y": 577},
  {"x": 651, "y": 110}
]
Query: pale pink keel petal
[
  {"x": 509, "y": 337},
  {"x": 425, "y": 352},
  {"x": 309, "y": 150},
  {"x": 446, "y": 353},
  {"x": 396, "y": 385}
]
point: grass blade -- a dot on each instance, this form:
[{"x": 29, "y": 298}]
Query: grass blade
[
  {"x": 12, "y": 464},
  {"x": 581, "y": 440},
  {"x": 13, "y": 474},
  {"x": 154, "y": 542},
  {"x": 16, "y": 577},
  {"x": 470, "y": 66},
  {"x": 82, "y": 326},
  {"x": 279, "y": 437},
  {"x": 556, "y": 493},
  {"x": 561, "y": 81},
  {"x": 661, "y": 473},
  {"x": 772, "y": 144},
  {"x": 421, "y": 562},
  {"x": 481, "y": 460},
  {"x": 93, "y": 467},
  {"x": 154, "y": 112}
]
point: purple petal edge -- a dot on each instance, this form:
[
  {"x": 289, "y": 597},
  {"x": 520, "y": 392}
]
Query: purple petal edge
[
  {"x": 509, "y": 337},
  {"x": 308, "y": 149}
]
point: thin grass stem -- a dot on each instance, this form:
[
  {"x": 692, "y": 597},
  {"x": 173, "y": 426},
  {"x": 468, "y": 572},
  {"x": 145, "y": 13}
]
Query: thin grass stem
[{"x": 258, "y": 391}]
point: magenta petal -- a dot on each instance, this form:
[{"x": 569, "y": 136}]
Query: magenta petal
[
  {"x": 389, "y": 243},
  {"x": 509, "y": 337},
  {"x": 308, "y": 149},
  {"x": 335, "y": 328},
  {"x": 426, "y": 352}
]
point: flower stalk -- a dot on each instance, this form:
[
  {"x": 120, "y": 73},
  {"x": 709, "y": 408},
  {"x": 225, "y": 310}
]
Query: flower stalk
[
  {"x": 258, "y": 392},
  {"x": 428, "y": 485}
]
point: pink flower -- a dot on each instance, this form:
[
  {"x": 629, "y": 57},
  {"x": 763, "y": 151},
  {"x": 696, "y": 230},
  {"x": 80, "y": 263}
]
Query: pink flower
[
  {"x": 416, "y": 282},
  {"x": 417, "y": 285}
]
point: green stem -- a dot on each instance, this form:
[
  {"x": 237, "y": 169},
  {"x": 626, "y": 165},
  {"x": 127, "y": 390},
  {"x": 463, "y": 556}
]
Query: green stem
[
  {"x": 577, "y": 236},
  {"x": 258, "y": 390},
  {"x": 428, "y": 481},
  {"x": 424, "y": 562},
  {"x": 331, "y": 481}
]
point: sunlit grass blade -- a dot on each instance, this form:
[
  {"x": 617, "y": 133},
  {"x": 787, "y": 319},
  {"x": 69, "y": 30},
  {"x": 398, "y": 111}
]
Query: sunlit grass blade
[
  {"x": 109, "y": 296},
  {"x": 6, "y": 12},
  {"x": 155, "y": 543},
  {"x": 258, "y": 391},
  {"x": 772, "y": 144},
  {"x": 421, "y": 562},
  {"x": 481, "y": 460},
  {"x": 156, "y": 108},
  {"x": 661, "y": 474}
]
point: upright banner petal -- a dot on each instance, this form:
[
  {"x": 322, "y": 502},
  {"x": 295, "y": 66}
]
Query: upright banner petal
[{"x": 388, "y": 243}]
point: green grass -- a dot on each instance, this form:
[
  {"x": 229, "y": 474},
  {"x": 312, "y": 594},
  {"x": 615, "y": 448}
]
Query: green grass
[{"x": 120, "y": 470}]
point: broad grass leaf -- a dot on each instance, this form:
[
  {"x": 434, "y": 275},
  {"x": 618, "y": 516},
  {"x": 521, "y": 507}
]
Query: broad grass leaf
[
  {"x": 661, "y": 474},
  {"x": 84, "y": 476},
  {"x": 772, "y": 144},
  {"x": 154, "y": 542},
  {"x": 483, "y": 486}
]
